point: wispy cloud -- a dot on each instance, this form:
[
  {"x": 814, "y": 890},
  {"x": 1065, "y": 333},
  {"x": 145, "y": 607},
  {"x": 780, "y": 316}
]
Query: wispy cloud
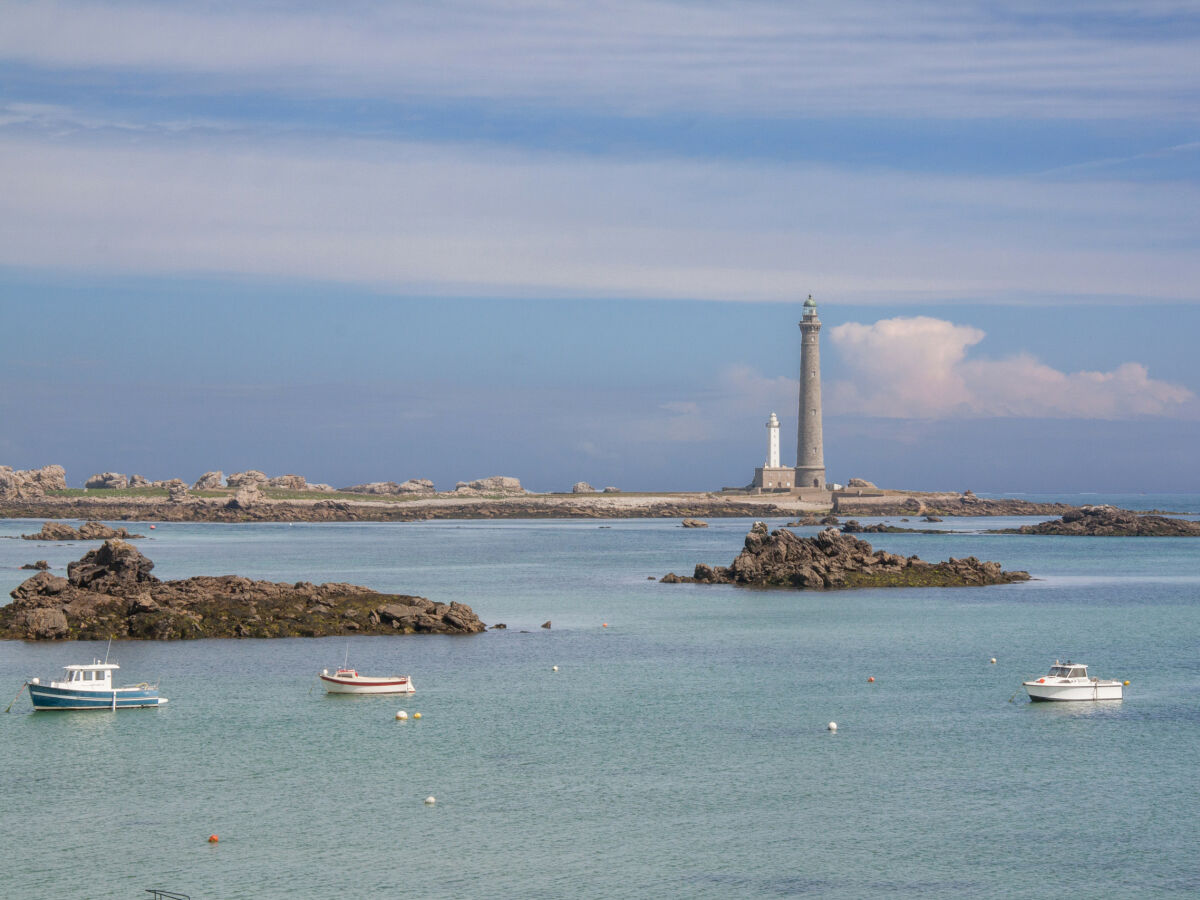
[
  {"x": 919, "y": 368},
  {"x": 475, "y": 220},
  {"x": 891, "y": 58}
]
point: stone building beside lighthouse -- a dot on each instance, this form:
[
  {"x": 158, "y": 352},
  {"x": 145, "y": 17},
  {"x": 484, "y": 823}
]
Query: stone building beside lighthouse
[{"x": 809, "y": 472}]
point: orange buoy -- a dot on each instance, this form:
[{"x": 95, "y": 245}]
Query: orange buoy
[
  {"x": 603, "y": 624},
  {"x": 870, "y": 678},
  {"x": 1041, "y": 681},
  {"x": 212, "y": 838},
  {"x": 152, "y": 527}
]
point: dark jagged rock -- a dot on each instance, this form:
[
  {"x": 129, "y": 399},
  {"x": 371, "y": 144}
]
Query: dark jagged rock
[
  {"x": 88, "y": 531},
  {"x": 111, "y": 592},
  {"x": 836, "y": 560},
  {"x": 853, "y": 527},
  {"x": 41, "y": 565},
  {"x": 1109, "y": 521}
]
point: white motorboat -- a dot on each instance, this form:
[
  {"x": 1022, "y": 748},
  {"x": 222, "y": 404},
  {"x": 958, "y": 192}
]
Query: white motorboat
[
  {"x": 1070, "y": 681},
  {"x": 91, "y": 687},
  {"x": 348, "y": 681}
]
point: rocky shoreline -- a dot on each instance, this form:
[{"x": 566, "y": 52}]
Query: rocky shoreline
[
  {"x": 110, "y": 593},
  {"x": 88, "y": 531},
  {"x": 833, "y": 560}
]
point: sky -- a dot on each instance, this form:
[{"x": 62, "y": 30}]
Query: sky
[{"x": 569, "y": 242}]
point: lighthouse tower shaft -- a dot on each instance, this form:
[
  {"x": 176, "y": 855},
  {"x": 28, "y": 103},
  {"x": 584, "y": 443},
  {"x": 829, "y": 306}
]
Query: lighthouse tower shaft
[{"x": 810, "y": 454}]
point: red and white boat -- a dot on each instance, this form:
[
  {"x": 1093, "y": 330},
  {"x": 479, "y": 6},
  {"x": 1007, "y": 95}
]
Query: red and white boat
[{"x": 348, "y": 681}]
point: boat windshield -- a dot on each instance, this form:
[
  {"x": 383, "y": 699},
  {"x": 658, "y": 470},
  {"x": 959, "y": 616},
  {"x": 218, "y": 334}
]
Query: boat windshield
[
  {"x": 1059, "y": 671},
  {"x": 1079, "y": 673}
]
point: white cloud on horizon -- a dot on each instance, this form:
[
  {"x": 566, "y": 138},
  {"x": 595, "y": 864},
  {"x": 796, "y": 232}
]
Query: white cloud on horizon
[
  {"x": 907, "y": 57},
  {"x": 918, "y": 367}
]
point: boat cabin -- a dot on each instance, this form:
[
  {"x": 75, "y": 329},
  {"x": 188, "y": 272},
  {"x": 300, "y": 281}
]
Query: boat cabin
[
  {"x": 1069, "y": 670},
  {"x": 94, "y": 677}
]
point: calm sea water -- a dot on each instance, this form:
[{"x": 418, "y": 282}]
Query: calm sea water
[{"x": 681, "y": 751}]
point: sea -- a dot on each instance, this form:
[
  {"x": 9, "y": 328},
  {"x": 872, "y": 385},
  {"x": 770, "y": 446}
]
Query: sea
[{"x": 654, "y": 740}]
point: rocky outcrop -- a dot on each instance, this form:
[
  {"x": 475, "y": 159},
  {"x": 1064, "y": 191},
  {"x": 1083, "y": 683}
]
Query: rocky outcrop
[
  {"x": 611, "y": 490},
  {"x": 41, "y": 565},
  {"x": 209, "y": 481},
  {"x": 918, "y": 504},
  {"x": 495, "y": 484},
  {"x": 88, "y": 531},
  {"x": 107, "y": 481},
  {"x": 288, "y": 482},
  {"x": 860, "y": 483},
  {"x": 177, "y": 491},
  {"x": 111, "y": 592},
  {"x": 834, "y": 560},
  {"x": 1109, "y": 521},
  {"x": 247, "y": 497},
  {"x": 139, "y": 481},
  {"x": 412, "y": 486},
  {"x": 854, "y": 527},
  {"x": 582, "y": 487},
  {"x": 694, "y": 523},
  {"x": 251, "y": 478},
  {"x": 17, "y": 484}
]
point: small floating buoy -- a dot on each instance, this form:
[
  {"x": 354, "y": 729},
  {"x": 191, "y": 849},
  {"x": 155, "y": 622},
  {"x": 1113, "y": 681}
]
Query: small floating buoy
[
  {"x": 992, "y": 660},
  {"x": 832, "y": 726},
  {"x": 402, "y": 715},
  {"x": 870, "y": 678},
  {"x": 430, "y": 800},
  {"x": 554, "y": 668},
  {"x": 416, "y": 715},
  {"x": 152, "y": 527},
  {"x": 603, "y": 624},
  {"x": 1126, "y": 681},
  {"x": 212, "y": 839}
]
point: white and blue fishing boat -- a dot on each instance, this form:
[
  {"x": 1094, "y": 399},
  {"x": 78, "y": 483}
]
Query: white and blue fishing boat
[{"x": 91, "y": 687}]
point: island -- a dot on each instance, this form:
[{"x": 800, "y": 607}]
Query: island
[
  {"x": 110, "y": 593},
  {"x": 88, "y": 531},
  {"x": 1108, "y": 521},
  {"x": 833, "y": 560}
]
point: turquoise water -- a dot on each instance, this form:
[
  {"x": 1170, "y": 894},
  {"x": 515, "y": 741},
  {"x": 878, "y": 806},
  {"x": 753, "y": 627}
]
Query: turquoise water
[{"x": 679, "y": 752}]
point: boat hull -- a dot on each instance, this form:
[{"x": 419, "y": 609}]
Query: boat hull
[
  {"x": 45, "y": 697},
  {"x": 362, "y": 685},
  {"x": 1096, "y": 690}
]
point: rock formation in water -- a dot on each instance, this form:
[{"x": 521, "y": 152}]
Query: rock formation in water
[
  {"x": 694, "y": 523},
  {"x": 836, "y": 560},
  {"x": 1109, "y": 521},
  {"x": 88, "y": 531},
  {"x": 111, "y": 593}
]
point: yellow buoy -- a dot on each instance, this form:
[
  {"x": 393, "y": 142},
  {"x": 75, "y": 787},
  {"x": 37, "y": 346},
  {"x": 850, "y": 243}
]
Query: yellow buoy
[
  {"x": 416, "y": 715},
  {"x": 1126, "y": 681}
]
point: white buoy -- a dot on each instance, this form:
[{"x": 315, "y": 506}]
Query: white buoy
[
  {"x": 993, "y": 660},
  {"x": 430, "y": 800},
  {"x": 832, "y": 726},
  {"x": 402, "y": 715},
  {"x": 555, "y": 668}
]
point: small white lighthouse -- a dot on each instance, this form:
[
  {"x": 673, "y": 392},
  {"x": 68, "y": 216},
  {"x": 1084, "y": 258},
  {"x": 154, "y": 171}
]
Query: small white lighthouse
[
  {"x": 773, "y": 442},
  {"x": 773, "y": 476}
]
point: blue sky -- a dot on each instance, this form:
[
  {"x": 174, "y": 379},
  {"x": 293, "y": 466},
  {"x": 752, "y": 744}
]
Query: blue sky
[{"x": 564, "y": 241}]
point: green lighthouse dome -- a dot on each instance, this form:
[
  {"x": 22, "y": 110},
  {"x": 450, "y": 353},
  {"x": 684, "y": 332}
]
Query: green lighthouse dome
[{"x": 810, "y": 303}]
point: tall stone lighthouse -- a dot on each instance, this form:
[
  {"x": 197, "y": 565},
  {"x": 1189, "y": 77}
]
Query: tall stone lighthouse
[{"x": 810, "y": 456}]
